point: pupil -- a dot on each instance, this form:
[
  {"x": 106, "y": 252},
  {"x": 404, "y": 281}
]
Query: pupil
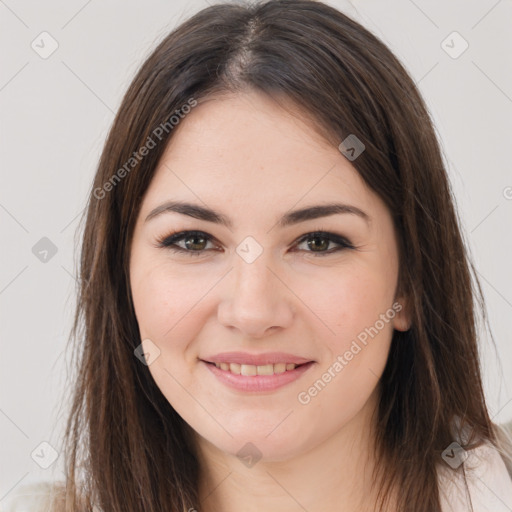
[
  {"x": 194, "y": 237},
  {"x": 324, "y": 243}
]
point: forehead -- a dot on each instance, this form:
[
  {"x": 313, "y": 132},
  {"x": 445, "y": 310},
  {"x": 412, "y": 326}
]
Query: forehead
[{"x": 247, "y": 150}]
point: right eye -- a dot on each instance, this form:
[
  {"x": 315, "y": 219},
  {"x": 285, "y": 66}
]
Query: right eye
[{"x": 195, "y": 242}]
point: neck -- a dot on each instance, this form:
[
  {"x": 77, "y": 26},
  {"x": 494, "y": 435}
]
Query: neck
[{"x": 335, "y": 475}]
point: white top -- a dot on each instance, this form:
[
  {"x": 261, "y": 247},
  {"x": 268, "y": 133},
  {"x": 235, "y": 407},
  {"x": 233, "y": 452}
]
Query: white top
[{"x": 489, "y": 483}]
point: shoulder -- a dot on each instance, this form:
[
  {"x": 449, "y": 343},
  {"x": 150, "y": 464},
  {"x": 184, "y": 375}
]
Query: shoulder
[
  {"x": 489, "y": 484},
  {"x": 38, "y": 497}
]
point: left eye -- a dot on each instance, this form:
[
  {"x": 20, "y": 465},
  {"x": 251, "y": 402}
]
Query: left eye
[
  {"x": 321, "y": 240},
  {"x": 195, "y": 242}
]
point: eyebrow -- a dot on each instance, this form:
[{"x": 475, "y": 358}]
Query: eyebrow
[{"x": 290, "y": 218}]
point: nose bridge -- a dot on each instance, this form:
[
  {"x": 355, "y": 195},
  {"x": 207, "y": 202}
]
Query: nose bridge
[
  {"x": 256, "y": 299},
  {"x": 253, "y": 279}
]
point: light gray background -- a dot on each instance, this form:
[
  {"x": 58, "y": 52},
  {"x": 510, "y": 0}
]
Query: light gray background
[{"x": 55, "y": 114}]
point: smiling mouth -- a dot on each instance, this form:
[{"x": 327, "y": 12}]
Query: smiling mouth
[
  {"x": 250, "y": 370},
  {"x": 259, "y": 378}
]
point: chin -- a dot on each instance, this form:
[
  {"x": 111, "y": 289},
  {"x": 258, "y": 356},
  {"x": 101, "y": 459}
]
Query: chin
[{"x": 253, "y": 443}]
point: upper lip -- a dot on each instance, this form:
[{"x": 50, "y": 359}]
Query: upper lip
[{"x": 256, "y": 359}]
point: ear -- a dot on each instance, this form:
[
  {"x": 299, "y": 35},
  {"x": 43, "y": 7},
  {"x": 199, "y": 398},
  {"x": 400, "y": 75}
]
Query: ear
[{"x": 403, "y": 319}]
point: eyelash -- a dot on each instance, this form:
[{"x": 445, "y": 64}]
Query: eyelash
[{"x": 169, "y": 242}]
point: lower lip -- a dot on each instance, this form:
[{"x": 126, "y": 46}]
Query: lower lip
[{"x": 258, "y": 382}]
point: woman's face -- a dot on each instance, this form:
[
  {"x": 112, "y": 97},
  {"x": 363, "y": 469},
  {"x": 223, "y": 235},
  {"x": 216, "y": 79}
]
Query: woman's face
[{"x": 311, "y": 316}]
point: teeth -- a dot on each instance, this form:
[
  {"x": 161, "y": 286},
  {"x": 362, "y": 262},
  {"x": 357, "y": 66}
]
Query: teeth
[
  {"x": 251, "y": 370},
  {"x": 248, "y": 369},
  {"x": 280, "y": 368},
  {"x": 235, "y": 368},
  {"x": 268, "y": 369}
]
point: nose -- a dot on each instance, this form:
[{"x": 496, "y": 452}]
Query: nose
[{"x": 256, "y": 299}]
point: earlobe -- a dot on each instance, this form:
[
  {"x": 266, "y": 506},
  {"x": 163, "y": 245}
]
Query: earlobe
[{"x": 402, "y": 319}]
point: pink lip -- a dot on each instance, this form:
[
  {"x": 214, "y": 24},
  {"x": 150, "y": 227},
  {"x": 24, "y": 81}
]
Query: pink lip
[
  {"x": 258, "y": 382},
  {"x": 255, "y": 359}
]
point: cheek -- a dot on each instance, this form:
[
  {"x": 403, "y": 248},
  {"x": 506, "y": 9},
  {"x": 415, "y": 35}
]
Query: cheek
[
  {"x": 162, "y": 296},
  {"x": 350, "y": 301},
  {"x": 168, "y": 309},
  {"x": 358, "y": 310},
  {"x": 360, "y": 313}
]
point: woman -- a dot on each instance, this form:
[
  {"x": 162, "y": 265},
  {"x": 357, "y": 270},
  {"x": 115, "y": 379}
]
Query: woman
[{"x": 276, "y": 307}]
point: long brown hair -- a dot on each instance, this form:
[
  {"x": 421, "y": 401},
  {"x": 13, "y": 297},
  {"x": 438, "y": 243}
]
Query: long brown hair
[{"x": 126, "y": 448}]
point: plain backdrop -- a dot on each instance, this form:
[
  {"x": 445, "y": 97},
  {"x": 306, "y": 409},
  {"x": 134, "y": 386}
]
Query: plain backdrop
[{"x": 55, "y": 113}]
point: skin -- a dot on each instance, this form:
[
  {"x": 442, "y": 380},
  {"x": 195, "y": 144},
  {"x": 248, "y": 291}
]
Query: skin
[{"x": 247, "y": 158}]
